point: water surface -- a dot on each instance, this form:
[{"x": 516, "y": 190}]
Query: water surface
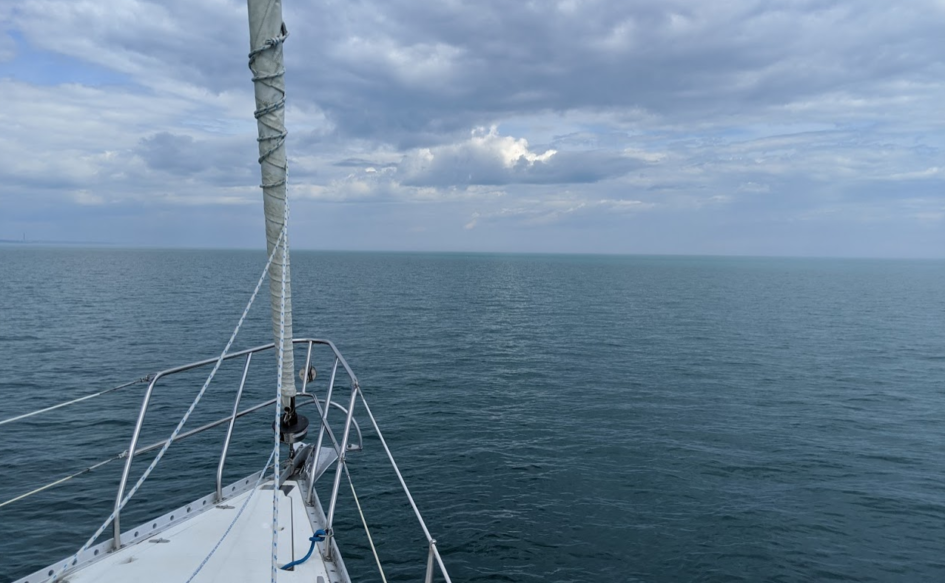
[{"x": 558, "y": 418}]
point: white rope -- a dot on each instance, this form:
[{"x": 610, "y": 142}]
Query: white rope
[
  {"x": 262, "y": 475},
  {"x": 275, "y": 478},
  {"x": 183, "y": 420},
  {"x": 367, "y": 531}
]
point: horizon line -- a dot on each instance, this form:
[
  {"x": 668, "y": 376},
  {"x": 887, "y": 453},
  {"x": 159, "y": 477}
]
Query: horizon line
[{"x": 130, "y": 247}]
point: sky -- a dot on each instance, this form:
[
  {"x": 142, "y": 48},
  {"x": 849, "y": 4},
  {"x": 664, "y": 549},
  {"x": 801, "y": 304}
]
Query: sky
[{"x": 732, "y": 127}]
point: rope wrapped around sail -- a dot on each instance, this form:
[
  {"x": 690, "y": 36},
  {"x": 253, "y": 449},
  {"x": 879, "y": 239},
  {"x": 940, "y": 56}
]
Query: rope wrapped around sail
[
  {"x": 260, "y": 112},
  {"x": 268, "y": 33}
]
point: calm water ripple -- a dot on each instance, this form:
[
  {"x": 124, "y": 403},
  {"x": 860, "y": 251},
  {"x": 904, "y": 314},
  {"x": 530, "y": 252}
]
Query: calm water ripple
[{"x": 557, "y": 418}]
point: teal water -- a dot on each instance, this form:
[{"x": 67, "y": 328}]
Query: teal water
[{"x": 558, "y": 418}]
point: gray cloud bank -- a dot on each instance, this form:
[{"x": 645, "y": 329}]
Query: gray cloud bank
[{"x": 645, "y": 125}]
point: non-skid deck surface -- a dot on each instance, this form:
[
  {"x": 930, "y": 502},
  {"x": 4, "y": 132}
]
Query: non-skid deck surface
[{"x": 174, "y": 554}]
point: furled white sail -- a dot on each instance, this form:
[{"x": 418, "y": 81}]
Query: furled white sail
[{"x": 266, "y": 33}]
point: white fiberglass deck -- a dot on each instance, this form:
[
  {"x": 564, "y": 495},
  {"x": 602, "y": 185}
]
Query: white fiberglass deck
[
  {"x": 172, "y": 546},
  {"x": 174, "y": 554}
]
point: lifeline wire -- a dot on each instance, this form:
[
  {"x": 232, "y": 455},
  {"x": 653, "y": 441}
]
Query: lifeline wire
[
  {"x": 367, "y": 531},
  {"x": 180, "y": 424},
  {"x": 61, "y": 480},
  {"x": 74, "y": 401}
]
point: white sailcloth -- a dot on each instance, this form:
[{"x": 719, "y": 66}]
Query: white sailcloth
[{"x": 266, "y": 34}]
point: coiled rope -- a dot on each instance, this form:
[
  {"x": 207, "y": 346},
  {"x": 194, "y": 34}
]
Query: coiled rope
[{"x": 318, "y": 537}]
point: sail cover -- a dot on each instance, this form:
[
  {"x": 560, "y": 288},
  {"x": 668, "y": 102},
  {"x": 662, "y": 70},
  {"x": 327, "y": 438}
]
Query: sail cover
[{"x": 266, "y": 33}]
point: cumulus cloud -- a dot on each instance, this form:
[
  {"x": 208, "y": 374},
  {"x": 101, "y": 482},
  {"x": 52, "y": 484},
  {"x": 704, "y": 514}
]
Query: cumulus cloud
[
  {"x": 485, "y": 158},
  {"x": 488, "y": 158}
]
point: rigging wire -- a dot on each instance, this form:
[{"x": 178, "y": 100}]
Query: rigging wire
[
  {"x": 145, "y": 379},
  {"x": 62, "y": 480},
  {"x": 277, "y": 426},
  {"x": 367, "y": 530},
  {"x": 180, "y": 424},
  {"x": 275, "y": 142}
]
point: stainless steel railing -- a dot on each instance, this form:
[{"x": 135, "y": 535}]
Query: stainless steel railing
[
  {"x": 433, "y": 554},
  {"x": 341, "y": 447},
  {"x": 146, "y": 401}
]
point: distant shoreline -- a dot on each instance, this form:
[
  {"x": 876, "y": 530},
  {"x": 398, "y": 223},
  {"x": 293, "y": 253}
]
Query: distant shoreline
[
  {"x": 54, "y": 243},
  {"x": 119, "y": 246}
]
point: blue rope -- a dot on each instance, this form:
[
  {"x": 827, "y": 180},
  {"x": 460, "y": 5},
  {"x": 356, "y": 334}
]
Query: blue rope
[{"x": 318, "y": 537}]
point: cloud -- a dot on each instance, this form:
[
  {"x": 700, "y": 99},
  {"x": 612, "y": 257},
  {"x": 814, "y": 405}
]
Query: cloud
[
  {"x": 485, "y": 158},
  {"x": 408, "y": 74},
  {"x": 490, "y": 116},
  {"x": 222, "y": 160},
  {"x": 698, "y": 62},
  {"x": 364, "y": 186},
  {"x": 172, "y": 46},
  {"x": 84, "y": 197},
  {"x": 563, "y": 206},
  {"x": 932, "y": 172},
  {"x": 61, "y": 147},
  {"x": 488, "y": 158},
  {"x": 178, "y": 154}
]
